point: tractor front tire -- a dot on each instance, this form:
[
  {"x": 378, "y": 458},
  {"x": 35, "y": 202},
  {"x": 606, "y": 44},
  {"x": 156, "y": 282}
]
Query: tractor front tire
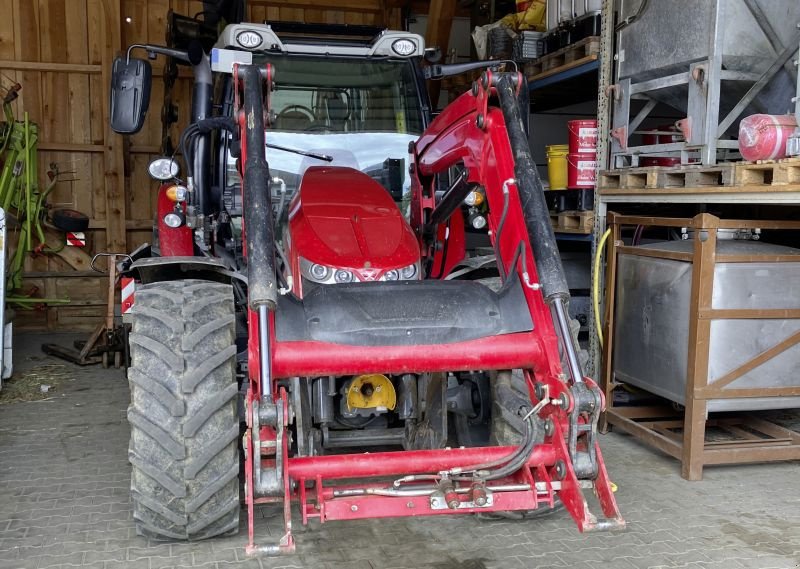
[{"x": 184, "y": 426}]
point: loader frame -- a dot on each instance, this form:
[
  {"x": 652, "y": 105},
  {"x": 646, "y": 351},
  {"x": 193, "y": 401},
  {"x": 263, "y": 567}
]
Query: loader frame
[{"x": 482, "y": 130}]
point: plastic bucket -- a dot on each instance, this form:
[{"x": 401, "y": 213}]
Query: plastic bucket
[
  {"x": 581, "y": 171},
  {"x": 582, "y": 136},
  {"x": 557, "y": 166}
]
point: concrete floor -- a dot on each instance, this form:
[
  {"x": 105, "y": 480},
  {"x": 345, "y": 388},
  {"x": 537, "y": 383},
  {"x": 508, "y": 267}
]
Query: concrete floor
[{"x": 64, "y": 479}]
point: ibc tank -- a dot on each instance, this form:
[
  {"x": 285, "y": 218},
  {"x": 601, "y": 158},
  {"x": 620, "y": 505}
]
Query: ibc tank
[
  {"x": 668, "y": 35},
  {"x": 652, "y": 322}
]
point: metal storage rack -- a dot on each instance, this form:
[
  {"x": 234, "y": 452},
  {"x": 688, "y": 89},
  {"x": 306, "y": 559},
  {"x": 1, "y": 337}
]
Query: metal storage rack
[{"x": 740, "y": 188}]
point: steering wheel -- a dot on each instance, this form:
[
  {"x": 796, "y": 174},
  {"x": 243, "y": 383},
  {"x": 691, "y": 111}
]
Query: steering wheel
[
  {"x": 317, "y": 126},
  {"x": 300, "y": 109}
]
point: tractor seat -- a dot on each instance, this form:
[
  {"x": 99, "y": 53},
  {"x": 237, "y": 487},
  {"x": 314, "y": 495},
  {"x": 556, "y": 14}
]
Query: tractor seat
[{"x": 404, "y": 313}]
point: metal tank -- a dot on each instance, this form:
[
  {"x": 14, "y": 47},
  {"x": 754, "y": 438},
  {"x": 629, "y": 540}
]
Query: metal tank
[
  {"x": 653, "y": 312},
  {"x": 714, "y": 60}
]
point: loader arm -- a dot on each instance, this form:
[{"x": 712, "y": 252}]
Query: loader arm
[{"x": 559, "y": 455}]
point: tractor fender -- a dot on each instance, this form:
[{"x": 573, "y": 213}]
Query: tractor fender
[{"x": 158, "y": 269}]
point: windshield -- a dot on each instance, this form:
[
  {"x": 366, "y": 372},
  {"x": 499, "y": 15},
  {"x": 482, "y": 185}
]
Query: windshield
[{"x": 360, "y": 112}]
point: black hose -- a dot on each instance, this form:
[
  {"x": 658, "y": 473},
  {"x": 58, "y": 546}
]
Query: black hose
[{"x": 531, "y": 195}]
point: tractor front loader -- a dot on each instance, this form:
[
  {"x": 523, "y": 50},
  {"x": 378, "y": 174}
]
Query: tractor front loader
[
  {"x": 523, "y": 327},
  {"x": 362, "y": 278}
]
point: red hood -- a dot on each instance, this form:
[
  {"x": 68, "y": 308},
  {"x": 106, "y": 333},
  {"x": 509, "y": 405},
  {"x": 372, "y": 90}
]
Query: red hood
[{"x": 343, "y": 218}]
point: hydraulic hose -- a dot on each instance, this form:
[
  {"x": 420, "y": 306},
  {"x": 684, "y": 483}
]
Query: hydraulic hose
[
  {"x": 596, "y": 285},
  {"x": 531, "y": 195}
]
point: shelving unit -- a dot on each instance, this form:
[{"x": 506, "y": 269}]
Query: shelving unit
[{"x": 646, "y": 193}]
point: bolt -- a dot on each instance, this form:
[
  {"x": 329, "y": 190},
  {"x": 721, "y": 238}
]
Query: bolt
[
  {"x": 479, "y": 121},
  {"x": 475, "y": 88},
  {"x": 538, "y": 390},
  {"x": 549, "y": 428},
  {"x": 353, "y": 508},
  {"x": 560, "y": 470},
  {"x": 410, "y": 505}
]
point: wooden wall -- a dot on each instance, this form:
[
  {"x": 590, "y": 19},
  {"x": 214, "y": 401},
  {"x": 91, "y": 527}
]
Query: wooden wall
[{"x": 61, "y": 52}]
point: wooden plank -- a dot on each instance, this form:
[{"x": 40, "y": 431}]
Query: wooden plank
[
  {"x": 6, "y": 32},
  {"x": 440, "y": 22},
  {"x": 116, "y": 240},
  {"x": 49, "y": 66},
  {"x": 331, "y": 5}
]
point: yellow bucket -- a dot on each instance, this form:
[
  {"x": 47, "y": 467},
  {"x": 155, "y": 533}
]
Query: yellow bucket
[{"x": 557, "y": 166}]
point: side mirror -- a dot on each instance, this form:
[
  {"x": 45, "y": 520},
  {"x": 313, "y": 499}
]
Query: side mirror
[{"x": 130, "y": 94}]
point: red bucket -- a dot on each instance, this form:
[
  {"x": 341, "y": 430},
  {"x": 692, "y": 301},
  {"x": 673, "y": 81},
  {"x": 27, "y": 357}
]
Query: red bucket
[
  {"x": 581, "y": 170},
  {"x": 582, "y": 136}
]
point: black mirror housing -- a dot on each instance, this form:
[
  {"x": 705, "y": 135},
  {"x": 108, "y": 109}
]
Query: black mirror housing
[{"x": 130, "y": 94}]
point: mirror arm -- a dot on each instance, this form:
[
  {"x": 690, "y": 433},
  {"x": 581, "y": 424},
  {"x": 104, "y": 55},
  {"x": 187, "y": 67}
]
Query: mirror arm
[
  {"x": 160, "y": 49},
  {"x": 439, "y": 71}
]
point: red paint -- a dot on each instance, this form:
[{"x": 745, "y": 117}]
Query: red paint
[
  {"x": 506, "y": 351},
  {"x": 581, "y": 171},
  {"x": 400, "y": 463},
  {"x": 172, "y": 242},
  {"x": 582, "y": 136},
  {"x": 763, "y": 137},
  {"x": 453, "y": 138},
  {"x": 342, "y": 218}
]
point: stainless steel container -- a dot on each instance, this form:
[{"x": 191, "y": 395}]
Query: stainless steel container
[
  {"x": 716, "y": 61},
  {"x": 652, "y": 323}
]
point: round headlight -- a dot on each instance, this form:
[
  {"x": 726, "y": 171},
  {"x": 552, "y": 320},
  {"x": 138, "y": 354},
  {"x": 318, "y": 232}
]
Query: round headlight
[
  {"x": 319, "y": 272},
  {"x": 342, "y": 276},
  {"x": 403, "y": 47},
  {"x": 163, "y": 168},
  {"x": 392, "y": 275},
  {"x": 476, "y": 220},
  {"x": 408, "y": 272},
  {"x": 174, "y": 219},
  {"x": 249, "y": 39}
]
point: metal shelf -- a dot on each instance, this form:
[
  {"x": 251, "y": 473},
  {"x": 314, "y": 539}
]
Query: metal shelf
[{"x": 560, "y": 76}]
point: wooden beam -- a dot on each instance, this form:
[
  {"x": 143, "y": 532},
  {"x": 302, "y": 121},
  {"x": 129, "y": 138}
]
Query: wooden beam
[
  {"x": 440, "y": 21},
  {"x": 116, "y": 237},
  {"x": 338, "y": 5},
  {"x": 47, "y": 66}
]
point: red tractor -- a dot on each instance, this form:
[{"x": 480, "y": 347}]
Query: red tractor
[{"x": 387, "y": 283}]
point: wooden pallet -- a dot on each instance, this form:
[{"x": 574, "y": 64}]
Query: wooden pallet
[
  {"x": 768, "y": 172},
  {"x": 653, "y": 177},
  {"x": 566, "y": 57},
  {"x": 573, "y": 222}
]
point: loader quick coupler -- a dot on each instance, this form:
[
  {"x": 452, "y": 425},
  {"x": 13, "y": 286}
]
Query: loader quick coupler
[{"x": 587, "y": 404}]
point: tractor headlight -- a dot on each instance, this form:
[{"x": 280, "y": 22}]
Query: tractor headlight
[
  {"x": 163, "y": 168},
  {"x": 392, "y": 275},
  {"x": 174, "y": 219},
  {"x": 319, "y": 272},
  {"x": 409, "y": 272},
  {"x": 343, "y": 276},
  {"x": 249, "y": 39},
  {"x": 323, "y": 274}
]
